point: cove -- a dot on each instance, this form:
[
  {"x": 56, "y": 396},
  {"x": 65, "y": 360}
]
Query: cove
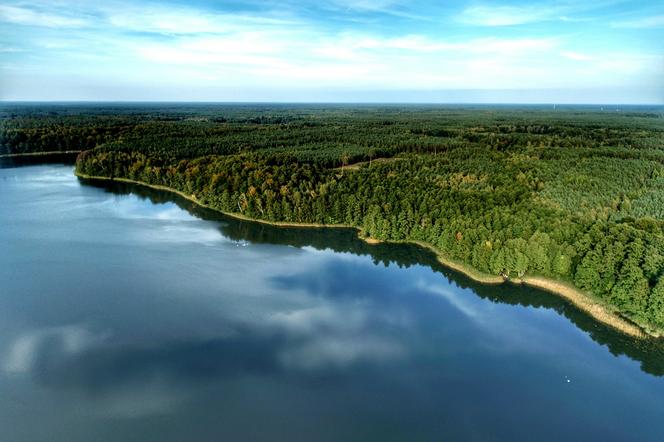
[{"x": 129, "y": 313}]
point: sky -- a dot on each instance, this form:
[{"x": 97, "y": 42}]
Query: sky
[{"x": 593, "y": 51}]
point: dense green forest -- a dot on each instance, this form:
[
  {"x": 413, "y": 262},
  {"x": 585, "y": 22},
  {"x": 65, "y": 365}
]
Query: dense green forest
[{"x": 575, "y": 194}]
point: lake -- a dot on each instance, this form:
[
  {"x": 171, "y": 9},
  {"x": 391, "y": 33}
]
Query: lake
[{"x": 131, "y": 314}]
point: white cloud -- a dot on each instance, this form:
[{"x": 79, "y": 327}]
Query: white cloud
[
  {"x": 561, "y": 11},
  {"x": 576, "y": 56},
  {"x": 8, "y": 49},
  {"x": 505, "y": 15},
  {"x": 277, "y": 50},
  {"x": 29, "y": 17},
  {"x": 655, "y": 21},
  {"x": 420, "y": 43},
  {"x": 296, "y": 58},
  {"x": 189, "y": 21},
  {"x": 511, "y": 46},
  {"x": 367, "y": 5},
  {"x": 299, "y": 59},
  {"x": 569, "y": 19},
  {"x": 397, "y": 8}
]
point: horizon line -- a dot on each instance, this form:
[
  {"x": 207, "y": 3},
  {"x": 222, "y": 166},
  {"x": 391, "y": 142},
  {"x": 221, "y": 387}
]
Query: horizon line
[{"x": 390, "y": 103}]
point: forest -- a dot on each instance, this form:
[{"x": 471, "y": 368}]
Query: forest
[{"x": 574, "y": 194}]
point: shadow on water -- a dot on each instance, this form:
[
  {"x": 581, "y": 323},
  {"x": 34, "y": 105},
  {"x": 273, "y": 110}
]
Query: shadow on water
[
  {"x": 649, "y": 352},
  {"x": 66, "y": 158}
]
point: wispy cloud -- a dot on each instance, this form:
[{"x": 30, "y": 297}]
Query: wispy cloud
[
  {"x": 189, "y": 21},
  {"x": 576, "y": 56},
  {"x": 394, "y": 8},
  {"x": 6, "y": 49},
  {"x": 291, "y": 45},
  {"x": 416, "y": 43},
  {"x": 497, "y": 15},
  {"x": 506, "y": 15},
  {"x": 569, "y": 19},
  {"x": 655, "y": 21},
  {"x": 31, "y": 17},
  {"x": 360, "y": 59}
]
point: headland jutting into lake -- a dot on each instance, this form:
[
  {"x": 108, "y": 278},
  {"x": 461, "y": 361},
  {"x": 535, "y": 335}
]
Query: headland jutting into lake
[
  {"x": 568, "y": 199},
  {"x": 585, "y": 302}
]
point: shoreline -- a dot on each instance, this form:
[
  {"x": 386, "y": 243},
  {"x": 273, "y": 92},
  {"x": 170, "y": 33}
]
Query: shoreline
[
  {"x": 40, "y": 154},
  {"x": 600, "y": 311}
]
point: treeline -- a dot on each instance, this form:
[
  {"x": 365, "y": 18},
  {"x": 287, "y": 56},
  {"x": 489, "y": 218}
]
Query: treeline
[
  {"x": 315, "y": 134},
  {"x": 480, "y": 208}
]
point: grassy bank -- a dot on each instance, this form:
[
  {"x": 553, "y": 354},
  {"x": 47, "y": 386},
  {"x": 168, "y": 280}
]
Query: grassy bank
[{"x": 585, "y": 302}]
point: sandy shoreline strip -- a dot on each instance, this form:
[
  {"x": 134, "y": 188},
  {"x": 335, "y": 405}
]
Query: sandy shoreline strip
[
  {"x": 585, "y": 302},
  {"x": 597, "y": 310}
]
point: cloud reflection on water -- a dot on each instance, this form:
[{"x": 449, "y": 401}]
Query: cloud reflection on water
[
  {"x": 128, "y": 317},
  {"x": 283, "y": 332}
]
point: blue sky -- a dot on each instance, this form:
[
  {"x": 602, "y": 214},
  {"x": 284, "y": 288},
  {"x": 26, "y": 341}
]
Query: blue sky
[{"x": 595, "y": 51}]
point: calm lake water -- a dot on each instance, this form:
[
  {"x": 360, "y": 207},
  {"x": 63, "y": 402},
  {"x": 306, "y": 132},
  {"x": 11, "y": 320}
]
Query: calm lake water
[{"x": 127, "y": 314}]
